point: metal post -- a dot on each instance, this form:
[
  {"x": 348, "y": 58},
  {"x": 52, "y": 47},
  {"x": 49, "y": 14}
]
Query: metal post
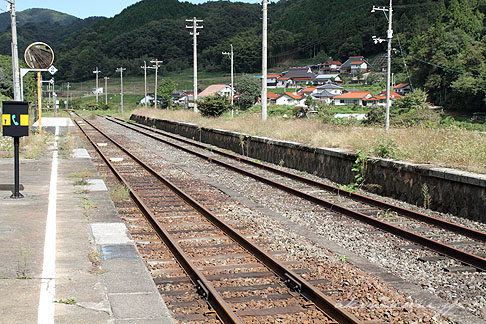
[
  {"x": 144, "y": 67},
  {"x": 389, "y": 36},
  {"x": 156, "y": 62},
  {"x": 106, "y": 90},
  {"x": 16, "y": 193},
  {"x": 97, "y": 72},
  {"x": 39, "y": 101},
  {"x": 121, "y": 69},
  {"x": 232, "y": 80},
  {"x": 67, "y": 98},
  {"x": 194, "y": 33},
  {"x": 264, "y": 63},
  {"x": 15, "y": 53}
]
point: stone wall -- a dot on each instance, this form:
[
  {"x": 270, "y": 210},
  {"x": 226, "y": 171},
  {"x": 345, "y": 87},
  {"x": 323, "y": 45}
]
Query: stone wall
[{"x": 449, "y": 190}]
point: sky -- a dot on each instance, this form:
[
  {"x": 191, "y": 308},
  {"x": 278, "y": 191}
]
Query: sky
[{"x": 85, "y": 8}]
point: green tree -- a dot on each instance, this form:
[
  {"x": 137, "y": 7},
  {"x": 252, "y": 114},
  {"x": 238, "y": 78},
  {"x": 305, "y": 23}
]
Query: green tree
[
  {"x": 309, "y": 101},
  {"x": 249, "y": 90},
  {"x": 213, "y": 106},
  {"x": 165, "y": 89}
]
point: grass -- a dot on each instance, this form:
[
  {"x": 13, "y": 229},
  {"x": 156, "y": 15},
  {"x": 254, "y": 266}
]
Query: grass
[
  {"x": 119, "y": 193},
  {"x": 449, "y": 146}
]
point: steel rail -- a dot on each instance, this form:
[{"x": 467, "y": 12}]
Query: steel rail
[
  {"x": 459, "y": 229},
  {"x": 203, "y": 286},
  {"x": 462, "y": 256},
  {"x": 327, "y": 305}
]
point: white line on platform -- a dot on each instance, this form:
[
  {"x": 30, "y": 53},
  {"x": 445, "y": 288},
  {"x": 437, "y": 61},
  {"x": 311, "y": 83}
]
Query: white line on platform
[{"x": 45, "y": 313}]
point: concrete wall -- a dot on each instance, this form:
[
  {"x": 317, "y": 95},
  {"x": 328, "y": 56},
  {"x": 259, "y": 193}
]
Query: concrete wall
[{"x": 451, "y": 191}]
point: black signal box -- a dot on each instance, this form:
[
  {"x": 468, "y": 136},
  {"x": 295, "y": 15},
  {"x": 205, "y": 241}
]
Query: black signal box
[{"x": 15, "y": 118}]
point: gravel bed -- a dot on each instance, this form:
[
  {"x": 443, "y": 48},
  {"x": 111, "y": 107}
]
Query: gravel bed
[{"x": 464, "y": 289}]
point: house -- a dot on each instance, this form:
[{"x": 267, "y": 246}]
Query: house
[
  {"x": 380, "y": 100},
  {"x": 327, "y": 78},
  {"x": 331, "y": 88},
  {"x": 291, "y": 99},
  {"x": 272, "y": 79},
  {"x": 355, "y": 64},
  {"x": 353, "y": 98},
  {"x": 298, "y": 76},
  {"x": 323, "y": 96},
  {"x": 403, "y": 88},
  {"x": 149, "y": 99},
  {"x": 216, "y": 89},
  {"x": 330, "y": 67},
  {"x": 308, "y": 91},
  {"x": 272, "y": 97}
]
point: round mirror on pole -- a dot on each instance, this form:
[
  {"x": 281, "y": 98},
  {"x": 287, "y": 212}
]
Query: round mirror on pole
[{"x": 39, "y": 55}]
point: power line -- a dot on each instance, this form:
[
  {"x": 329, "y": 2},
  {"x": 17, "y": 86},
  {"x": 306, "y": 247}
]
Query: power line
[{"x": 441, "y": 67}]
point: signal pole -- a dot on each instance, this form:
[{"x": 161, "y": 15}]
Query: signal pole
[
  {"x": 232, "y": 81},
  {"x": 67, "y": 99},
  {"x": 106, "y": 90},
  {"x": 15, "y": 53},
  {"x": 194, "y": 32},
  {"x": 144, "y": 67},
  {"x": 264, "y": 62},
  {"x": 121, "y": 69},
  {"x": 389, "y": 36},
  {"x": 157, "y": 63},
  {"x": 97, "y": 72}
]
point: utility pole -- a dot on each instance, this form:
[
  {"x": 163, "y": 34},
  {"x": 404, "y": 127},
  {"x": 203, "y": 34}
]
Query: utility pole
[
  {"x": 106, "y": 90},
  {"x": 194, "y": 33},
  {"x": 67, "y": 99},
  {"x": 96, "y": 91},
  {"x": 144, "y": 67},
  {"x": 264, "y": 62},
  {"x": 232, "y": 81},
  {"x": 121, "y": 69},
  {"x": 15, "y": 52},
  {"x": 389, "y": 36},
  {"x": 157, "y": 63}
]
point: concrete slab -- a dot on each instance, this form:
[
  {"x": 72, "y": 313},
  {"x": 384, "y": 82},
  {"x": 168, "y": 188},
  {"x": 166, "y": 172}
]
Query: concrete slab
[
  {"x": 55, "y": 121},
  {"x": 110, "y": 233},
  {"x": 80, "y": 154},
  {"x": 95, "y": 185}
]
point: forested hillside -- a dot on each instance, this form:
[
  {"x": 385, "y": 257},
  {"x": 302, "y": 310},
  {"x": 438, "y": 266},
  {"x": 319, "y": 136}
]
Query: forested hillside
[
  {"x": 297, "y": 29},
  {"x": 36, "y": 16},
  {"x": 448, "y": 35}
]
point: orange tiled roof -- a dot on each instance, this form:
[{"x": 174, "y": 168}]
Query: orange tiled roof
[
  {"x": 293, "y": 95},
  {"x": 401, "y": 85},
  {"x": 272, "y": 95},
  {"x": 309, "y": 89},
  {"x": 353, "y": 95}
]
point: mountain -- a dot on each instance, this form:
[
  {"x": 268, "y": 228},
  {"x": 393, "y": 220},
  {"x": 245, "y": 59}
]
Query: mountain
[
  {"x": 36, "y": 16},
  {"x": 41, "y": 25},
  {"x": 443, "y": 37}
]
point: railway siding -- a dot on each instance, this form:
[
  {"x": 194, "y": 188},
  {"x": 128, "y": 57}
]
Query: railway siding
[{"x": 451, "y": 191}]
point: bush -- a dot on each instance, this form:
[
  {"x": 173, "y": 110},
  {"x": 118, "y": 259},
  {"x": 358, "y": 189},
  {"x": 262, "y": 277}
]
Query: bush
[{"x": 213, "y": 106}]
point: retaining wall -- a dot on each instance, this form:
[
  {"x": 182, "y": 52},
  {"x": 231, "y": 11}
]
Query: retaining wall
[{"x": 449, "y": 190}]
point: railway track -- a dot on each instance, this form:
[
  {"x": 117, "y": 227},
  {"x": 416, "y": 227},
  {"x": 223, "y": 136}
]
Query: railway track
[
  {"x": 240, "y": 282},
  {"x": 466, "y": 245}
]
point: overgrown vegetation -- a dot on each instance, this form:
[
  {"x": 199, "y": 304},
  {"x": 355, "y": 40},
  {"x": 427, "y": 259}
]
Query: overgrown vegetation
[
  {"x": 450, "y": 144},
  {"x": 213, "y": 106}
]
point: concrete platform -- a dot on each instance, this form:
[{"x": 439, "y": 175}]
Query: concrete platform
[{"x": 87, "y": 270}]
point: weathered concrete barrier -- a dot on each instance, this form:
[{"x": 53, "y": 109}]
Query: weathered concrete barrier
[{"x": 446, "y": 190}]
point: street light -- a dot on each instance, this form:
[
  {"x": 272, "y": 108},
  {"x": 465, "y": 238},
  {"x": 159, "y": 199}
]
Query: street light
[{"x": 376, "y": 40}]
